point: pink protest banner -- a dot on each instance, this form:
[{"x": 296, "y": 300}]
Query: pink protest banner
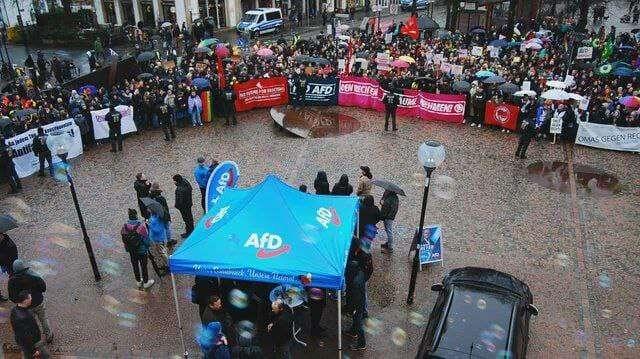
[
  {"x": 357, "y": 91},
  {"x": 448, "y": 108}
]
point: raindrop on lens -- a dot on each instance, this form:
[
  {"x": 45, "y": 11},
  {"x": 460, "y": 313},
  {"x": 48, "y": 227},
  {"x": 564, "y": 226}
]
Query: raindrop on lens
[
  {"x": 238, "y": 298},
  {"x": 417, "y": 319},
  {"x": 444, "y": 187},
  {"x": 372, "y": 326},
  {"x": 467, "y": 299},
  {"x": 245, "y": 329},
  {"x": 631, "y": 342},
  {"x": 398, "y": 336},
  {"x": 604, "y": 280},
  {"x": 481, "y": 304},
  {"x": 606, "y": 313}
]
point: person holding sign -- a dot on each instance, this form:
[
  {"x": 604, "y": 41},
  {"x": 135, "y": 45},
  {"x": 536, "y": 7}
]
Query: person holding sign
[
  {"x": 390, "y": 101},
  {"x": 114, "y": 118}
]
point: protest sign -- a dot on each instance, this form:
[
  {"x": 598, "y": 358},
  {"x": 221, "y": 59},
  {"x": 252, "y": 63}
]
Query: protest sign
[
  {"x": 608, "y": 137},
  {"x": 585, "y": 52},
  {"x": 261, "y": 93},
  {"x": 101, "y": 127}
]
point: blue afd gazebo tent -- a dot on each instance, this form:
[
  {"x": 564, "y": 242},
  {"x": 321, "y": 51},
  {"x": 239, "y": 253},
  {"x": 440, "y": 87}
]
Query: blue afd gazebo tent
[{"x": 271, "y": 233}]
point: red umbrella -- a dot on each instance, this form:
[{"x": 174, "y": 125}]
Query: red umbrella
[
  {"x": 400, "y": 64},
  {"x": 222, "y": 50},
  {"x": 264, "y": 52}
]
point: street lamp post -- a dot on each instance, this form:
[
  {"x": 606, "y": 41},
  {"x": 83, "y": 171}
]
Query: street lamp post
[
  {"x": 59, "y": 144},
  {"x": 430, "y": 154}
]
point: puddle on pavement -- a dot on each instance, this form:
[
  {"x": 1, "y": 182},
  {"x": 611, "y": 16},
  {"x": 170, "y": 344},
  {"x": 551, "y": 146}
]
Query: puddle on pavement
[
  {"x": 314, "y": 122},
  {"x": 589, "y": 180}
]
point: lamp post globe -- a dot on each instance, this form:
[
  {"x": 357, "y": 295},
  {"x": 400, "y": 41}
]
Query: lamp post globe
[
  {"x": 59, "y": 144},
  {"x": 431, "y": 154}
]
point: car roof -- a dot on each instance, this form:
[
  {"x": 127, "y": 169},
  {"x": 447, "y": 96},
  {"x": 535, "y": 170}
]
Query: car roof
[
  {"x": 268, "y": 9},
  {"x": 477, "y": 323}
]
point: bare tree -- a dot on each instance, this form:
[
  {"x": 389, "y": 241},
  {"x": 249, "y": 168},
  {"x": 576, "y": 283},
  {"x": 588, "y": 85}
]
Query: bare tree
[{"x": 583, "y": 11}]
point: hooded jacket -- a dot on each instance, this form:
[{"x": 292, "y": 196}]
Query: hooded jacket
[
  {"x": 390, "y": 205},
  {"x": 368, "y": 214},
  {"x": 201, "y": 174},
  {"x": 25, "y": 279},
  {"x": 342, "y": 188},
  {"x": 184, "y": 198},
  {"x": 145, "y": 243},
  {"x": 8, "y": 253}
]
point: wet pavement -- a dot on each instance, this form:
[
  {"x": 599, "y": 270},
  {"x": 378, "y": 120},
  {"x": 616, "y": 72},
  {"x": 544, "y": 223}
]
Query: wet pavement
[
  {"x": 578, "y": 253},
  {"x": 588, "y": 180},
  {"x": 314, "y": 122}
]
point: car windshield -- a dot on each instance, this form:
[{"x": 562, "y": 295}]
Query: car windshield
[
  {"x": 477, "y": 323},
  {"x": 250, "y": 17}
]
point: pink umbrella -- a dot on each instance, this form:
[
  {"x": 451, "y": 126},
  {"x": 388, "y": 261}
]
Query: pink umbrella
[
  {"x": 264, "y": 52},
  {"x": 400, "y": 64},
  {"x": 222, "y": 51},
  {"x": 533, "y": 46}
]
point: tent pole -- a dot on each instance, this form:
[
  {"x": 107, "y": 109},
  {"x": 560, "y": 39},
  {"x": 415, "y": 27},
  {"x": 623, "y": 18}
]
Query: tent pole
[
  {"x": 175, "y": 299},
  {"x": 339, "y": 324}
]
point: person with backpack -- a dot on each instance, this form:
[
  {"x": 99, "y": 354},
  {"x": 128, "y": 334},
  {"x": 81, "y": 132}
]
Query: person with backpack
[
  {"x": 388, "y": 210},
  {"x": 136, "y": 242}
]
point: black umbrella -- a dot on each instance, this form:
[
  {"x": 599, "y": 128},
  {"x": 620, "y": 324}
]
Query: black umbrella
[
  {"x": 24, "y": 113},
  {"x": 303, "y": 58},
  {"x": 4, "y": 121},
  {"x": 389, "y": 186},
  {"x": 362, "y": 54},
  {"x": 320, "y": 61},
  {"x": 477, "y": 31},
  {"x": 494, "y": 80},
  {"x": 461, "y": 86},
  {"x": 585, "y": 65},
  {"x": 145, "y": 76},
  {"x": 7, "y": 223},
  {"x": 153, "y": 206},
  {"x": 145, "y": 56},
  {"x": 427, "y": 23},
  {"x": 509, "y": 88}
]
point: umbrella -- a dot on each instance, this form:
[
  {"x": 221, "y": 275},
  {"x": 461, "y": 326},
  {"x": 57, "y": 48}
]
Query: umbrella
[
  {"x": 343, "y": 27},
  {"x": 408, "y": 59},
  {"x": 623, "y": 72},
  {"x": 208, "y": 42},
  {"x": 427, "y": 23},
  {"x": 630, "y": 101},
  {"x": 145, "y": 76},
  {"x": 484, "y": 73},
  {"x": 555, "y": 94},
  {"x": 626, "y": 48},
  {"x": 400, "y": 64},
  {"x": 7, "y": 223},
  {"x": 24, "y": 112},
  {"x": 265, "y": 52},
  {"x": 533, "y": 46},
  {"x": 556, "y": 84},
  {"x": 90, "y": 89},
  {"x": 499, "y": 43},
  {"x": 444, "y": 34},
  {"x": 509, "y": 88},
  {"x": 153, "y": 206},
  {"x": 362, "y": 54},
  {"x": 222, "y": 50},
  {"x": 146, "y": 56},
  {"x": 202, "y": 50},
  {"x": 303, "y": 58},
  {"x": 166, "y": 24},
  {"x": 605, "y": 69},
  {"x": 529, "y": 93},
  {"x": 201, "y": 83},
  {"x": 320, "y": 61},
  {"x": 389, "y": 186},
  {"x": 461, "y": 86},
  {"x": 618, "y": 64},
  {"x": 477, "y": 31},
  {"x": 575, "y": 96},
  {"x": 494, "y": 80}
]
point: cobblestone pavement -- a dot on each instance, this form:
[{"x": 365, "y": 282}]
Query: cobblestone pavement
[{"x": 577, "y": 251}]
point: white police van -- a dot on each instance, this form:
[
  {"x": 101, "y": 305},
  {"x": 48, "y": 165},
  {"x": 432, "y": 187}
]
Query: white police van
[{"x": 260, "y": 21}]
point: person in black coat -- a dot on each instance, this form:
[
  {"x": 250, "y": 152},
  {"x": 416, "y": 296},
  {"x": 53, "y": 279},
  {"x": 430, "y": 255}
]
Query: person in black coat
[
  {"x": 342, "y": 188},
  {"x": 164, "y": 117},
  {"x": 321, "y": 184},
  {"x": 184, "y": 202},
  {"x": 142, "y": 187},
  {"x": 214, "y": 312},
  {"x": 114, "y": 119},
  {"x": 391, "y": 101},
  {"x": 43, "y": 152},
  {"x": 8, "y": 254},
  {"x": 25, "y": 328},
  {"x": 369, "y": 214},
  {"x": 229, "y": 99},
  {"x": 388, "y": 210},
  {"x": 280, "y": 329},
  {"x": 23, "y": 279},
  {"x": 6, "y": 159}
]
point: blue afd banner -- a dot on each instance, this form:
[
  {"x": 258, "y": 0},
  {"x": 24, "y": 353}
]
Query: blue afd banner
[
  {"x": 225, "y": 175},
  {"x": 431, "y": 246},
  {"x": 321, "y": 91}
]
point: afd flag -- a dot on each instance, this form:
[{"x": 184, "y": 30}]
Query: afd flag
[
  {"x": 225, "y": 175},
  {"x": 321, "y": 91}
]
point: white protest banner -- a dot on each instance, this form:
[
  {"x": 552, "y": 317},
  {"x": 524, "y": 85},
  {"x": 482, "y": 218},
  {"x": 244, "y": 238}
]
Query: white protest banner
[
  {"x": 556, "y": 125},
  {"x": 445, "y": 67},
  {"x": 341, "y": 64},
  {"x": 101, "y": 127},
  {"x": 26, "y": 161},
  {"x": 585, "y": 52},
  {"x": 569, "y": 80},
  {"x": 608, "y": 137},
  {"x": 388, "y": 38},
  {"x": 495, "y": 52},
  {"x": 456, "y": 69},
  {"x": 329, "y": 29},
  {"x": 526, "y": 86},
  {"x": 584, "y": 104},
  {"x": 476, "y": 51}
]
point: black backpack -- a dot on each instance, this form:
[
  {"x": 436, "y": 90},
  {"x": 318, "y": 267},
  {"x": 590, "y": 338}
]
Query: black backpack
[{"x": 132, "y": 240}]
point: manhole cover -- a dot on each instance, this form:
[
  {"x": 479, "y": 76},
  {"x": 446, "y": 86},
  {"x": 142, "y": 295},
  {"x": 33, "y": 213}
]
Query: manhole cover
[
  {"x": 589, "y": 180},
  {"x": 314, "y": 122}
]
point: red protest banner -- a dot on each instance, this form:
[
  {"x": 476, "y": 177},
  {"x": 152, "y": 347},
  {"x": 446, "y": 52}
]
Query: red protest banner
[
  {"x": 261, "y": 93},
  {"x": 503, "y": 115}
]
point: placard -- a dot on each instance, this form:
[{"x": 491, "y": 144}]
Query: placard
[
  {"x": 584, "y": 104},
  {"x": 437, "y": 58},
  {"x": 456, "y": 69},
  {"x": 585, "y": 52},
  {"x": 431, "y": 246},
  {"x": 526, "y": 86},
  {"x": 101, "y": 127},
  {"x": 463, "y": 53},
  {"x": 523, "y": 47},
  {"x": 494, "y": 52},
  {"x": 445, "y": 67},
  {"x": 383, "y": 61},
  {"x": 556, "y": 125},
  {"x": 341, "y": 64},
  {"x": 476, "y": 51},
  {"x": 388, "y": 37}
]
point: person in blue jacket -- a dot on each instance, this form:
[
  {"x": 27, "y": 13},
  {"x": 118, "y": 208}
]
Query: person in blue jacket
[{"x": 202, "y": 172}]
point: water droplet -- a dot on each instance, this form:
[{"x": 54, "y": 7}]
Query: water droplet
[
  {"x": 372, "y": 326},
  {"x": 238, "y": 298},
  {"x": 481, "y": 304},
  {"x": 417, "y": 319},
  {"x": 606, "y": 313},
  {"x": 138, "y": 296},
  {"x": 246, "y": 329},
  {"x": 467, "y": 299},
  {"x": 604, "y": 281},
  {"x": 444, "y": 187},
  {"x": 398, "y": 336}
]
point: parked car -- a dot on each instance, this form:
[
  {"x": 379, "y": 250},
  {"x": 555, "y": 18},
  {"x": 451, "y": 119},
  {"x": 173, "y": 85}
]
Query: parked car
[
  {"x": 406, "y": 5},
  {"x": 479, "y": 313},
  {"x": 260, "y": 21}
]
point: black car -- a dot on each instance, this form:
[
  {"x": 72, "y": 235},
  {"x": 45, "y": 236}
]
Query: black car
[{"x": 479, "y": 313}]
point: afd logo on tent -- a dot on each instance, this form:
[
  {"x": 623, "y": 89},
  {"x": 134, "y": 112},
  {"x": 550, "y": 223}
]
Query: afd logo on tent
[
  {"x": 269, "y": 245},
  {"x": 326, "y": 216},
  {"x": 213, "y": 220}
]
